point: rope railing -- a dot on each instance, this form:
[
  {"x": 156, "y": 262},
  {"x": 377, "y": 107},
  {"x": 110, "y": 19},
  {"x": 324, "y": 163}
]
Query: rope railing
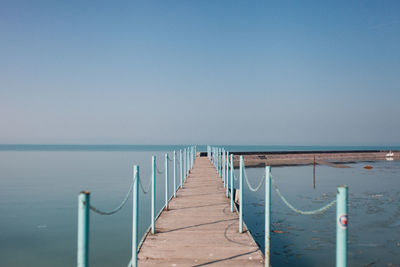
[
  {"x": 185, "y": 162},
  {"x": 118, "y": 208},
  {"x": 219, "y": 158},
  {"x": 303, "y": 212},
  {"x": 145, "y": 191},
  {"x": 249, "y": 185},
  {"x": 158, "y": 171}
]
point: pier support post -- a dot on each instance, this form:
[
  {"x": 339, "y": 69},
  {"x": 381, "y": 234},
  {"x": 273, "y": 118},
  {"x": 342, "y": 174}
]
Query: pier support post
[
  {"x": 135, "y": 213},
  {"x": 174, "y": 173},
  {"x": 267, "y": 229},
  {"x": 232, "y": 194},
  {"x": 166, "y": 181},
  {"x": 341, "y": 227},
  {"x": 241, "y": 195},
  {"x": 83, "y": 229}
]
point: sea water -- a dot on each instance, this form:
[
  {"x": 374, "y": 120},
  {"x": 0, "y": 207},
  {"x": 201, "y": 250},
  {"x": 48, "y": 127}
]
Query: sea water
[
  {"x": 309, "y": 240},
  {"x": 39, "y": 188}
]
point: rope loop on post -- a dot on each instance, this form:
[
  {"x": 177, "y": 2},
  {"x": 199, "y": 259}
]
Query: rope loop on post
[
  {"x": 158, "y": 171},
  {"x": 118, "y": 208},
  {"x": 143, "y": 189},
  {"x": 309, "y": 212},
  {"x": 249, "y": 185}
]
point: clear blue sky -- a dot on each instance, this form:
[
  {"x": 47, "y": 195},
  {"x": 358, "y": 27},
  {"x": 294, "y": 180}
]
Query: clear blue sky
[{"x": 232, "y": 72}]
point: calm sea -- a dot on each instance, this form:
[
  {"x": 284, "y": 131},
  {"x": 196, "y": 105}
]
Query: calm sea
[{"x": 39, "y": 186}]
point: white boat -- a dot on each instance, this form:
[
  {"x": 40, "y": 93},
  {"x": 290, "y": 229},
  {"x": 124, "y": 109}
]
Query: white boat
[{"x": 390, "y": 154}]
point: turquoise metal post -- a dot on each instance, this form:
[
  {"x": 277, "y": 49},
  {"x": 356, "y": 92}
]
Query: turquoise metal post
[
  {"x": 227, "y": 173},
  {"x": 213, "y": 155},
  {"x": 232, "y": 183},
  {"x": 153, "y": 194},
  {"x": 189, "y": 158},
  {"x": 184, "y": 163},
  {"x": 193, "y": 153},
  {"x": 241, "y": 195},
  {"x": 174, "y": 173},
  {"x": 223, "y": 167},
  {"x": 83, "y": 229},
  {"x": 135, "y": 213},
  {"x": 166, "y": 182},
  {"x": 267, "y": 238},
  {"x": 341, "y": 227},
  {"x": 181, "y": 167},
  {"x": 215, "y": 158},
  {"x": 218, "y": 161},
  {"x": 188, "y": 161}
]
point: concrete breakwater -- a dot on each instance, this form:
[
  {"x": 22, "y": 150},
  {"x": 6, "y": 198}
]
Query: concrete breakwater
[{"x": 336, "y": 159}]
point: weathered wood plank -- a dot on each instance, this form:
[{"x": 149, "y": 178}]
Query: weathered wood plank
[{"x": 199, "y": 229}]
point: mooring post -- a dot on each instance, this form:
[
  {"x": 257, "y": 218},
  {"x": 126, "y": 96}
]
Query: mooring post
[
  {"x": 232, "y": 194},
  {"x": 267, "y": 229},
  {"x": 181, "y": 167},
  {"x": 166, "y": 181},
  {"x": 83, "y": 229},
  {"x": 153, "y": 194},
  {"x": 135, "y": 213},
  {"x": 241, "y": 195},
  {"x": 174, "y": 173},
  {"x": 341, "y": 227}
]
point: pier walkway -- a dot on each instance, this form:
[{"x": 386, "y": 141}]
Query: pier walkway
[{"x": 198, "y": 229}]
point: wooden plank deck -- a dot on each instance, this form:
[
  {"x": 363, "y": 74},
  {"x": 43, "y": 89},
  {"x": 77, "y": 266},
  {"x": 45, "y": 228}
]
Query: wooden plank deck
[{"x": 199, "y": 229}]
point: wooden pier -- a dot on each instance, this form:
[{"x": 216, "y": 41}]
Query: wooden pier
[{"x": 198, "y": 229}]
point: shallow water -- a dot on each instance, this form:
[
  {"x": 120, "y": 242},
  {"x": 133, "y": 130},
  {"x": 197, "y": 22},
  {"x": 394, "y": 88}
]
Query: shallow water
[
  {"x": 38, "y": 208},
  {"x": 309, "y": 240},
  {"x": 38, "y": 211}
]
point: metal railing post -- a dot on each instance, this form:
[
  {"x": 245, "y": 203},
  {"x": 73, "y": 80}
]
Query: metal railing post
[
  {"x": 153, "y": 194},
  {"x": 83, "y": 229},
  {"x": 223, "y": 167},
  {"x": 241, "y": 195},
  {"x": 227, "y": 172},
  {"x": 174, "y": 173},
  {"x": 232, "y": 194},
  {"x": 181, "y": 167},
  {"x": 187, "y": 162},
  {"x": 184, "y": 163},
  {"x": 166, "y": 181},
  {"x": 135, "y": 213},
  {"x": 341, "y": 227},
  {"x": 267, "y": 238}
]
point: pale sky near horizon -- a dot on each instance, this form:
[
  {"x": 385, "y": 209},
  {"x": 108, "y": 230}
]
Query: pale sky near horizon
[{"x": 175, "y": 72}]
